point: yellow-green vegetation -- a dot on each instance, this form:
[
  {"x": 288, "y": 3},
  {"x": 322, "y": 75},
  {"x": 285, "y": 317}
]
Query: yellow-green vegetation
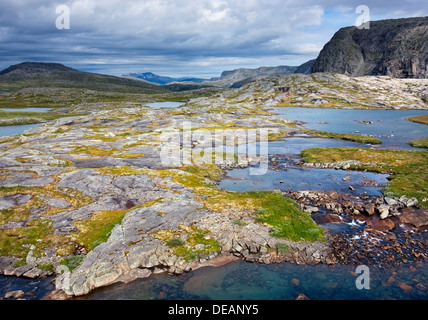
[
  {"x": 16, "y": 242},
  {"x": 269, "y": 207},
  {"x": 420, "y": 119},
  {"x": 409, "y": 169},
  {"x": 197, "y": 241},
  {"x": 121, "y": 171},
  {"x": 97, "y": 229},
  {"x": 421, "y": 143},
  {"x": 74, "y": 197},
  {"x": 19, "y": 213},
  {"x": 92, "y": 151},
  {"x": 345, "y": 136},
  {"x": 73, "y": 262},
  {"x": 129, "y": 155}
]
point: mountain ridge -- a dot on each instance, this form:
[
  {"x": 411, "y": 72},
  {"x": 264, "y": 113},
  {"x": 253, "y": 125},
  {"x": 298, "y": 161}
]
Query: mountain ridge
[{"x": 393, "y": 47}]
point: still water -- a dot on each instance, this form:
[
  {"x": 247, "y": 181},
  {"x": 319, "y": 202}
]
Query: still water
[
  {"x": 390, "y": 126},
  {"x": 43, "y": 110},
  {"x": 168, "y": 104},
  {"x": 246, "y": 281},
  {"x": 11, "y": 130}
]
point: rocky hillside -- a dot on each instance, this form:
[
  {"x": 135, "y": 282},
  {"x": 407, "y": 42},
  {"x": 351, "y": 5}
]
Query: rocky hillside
[
  {"x": 239, "y": 77},
  {"x": 396, "y": 48},
  {"x": 40, "y": 74}
]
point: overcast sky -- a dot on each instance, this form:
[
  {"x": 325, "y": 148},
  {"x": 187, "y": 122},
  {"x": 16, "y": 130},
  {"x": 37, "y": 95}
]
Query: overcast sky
[{"x": 180, "y": 37}]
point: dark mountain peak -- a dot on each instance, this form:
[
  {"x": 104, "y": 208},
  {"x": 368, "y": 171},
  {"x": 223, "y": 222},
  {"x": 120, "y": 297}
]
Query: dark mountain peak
[
  {"x": 39, "y": 67},
  {"x": 394, "y": 47}
]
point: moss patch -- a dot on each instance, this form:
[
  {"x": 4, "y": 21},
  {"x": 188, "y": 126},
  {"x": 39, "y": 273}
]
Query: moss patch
[
  {"x": 420, "y": 119},
  {"x": 421, "y": 143},
  {"x": 270, "y": 207},
  {"x": 345, "y": 136},
  {"x": 408, "y": 169},
  {"x": 97, "y": 229},
  {"x": 92, "y": 151},
  {"x": 198, "y": 242},
  {"x": 17, "y": 242},
  {"x": 121, "y": 171}
]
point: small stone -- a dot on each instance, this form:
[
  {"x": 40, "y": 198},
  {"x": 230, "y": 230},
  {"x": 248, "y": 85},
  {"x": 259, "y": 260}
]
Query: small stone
[
  {"x": 295, "y": 282},
  {"x": 420, "y": 286},
  {"x": 14, "y": 294},
  {"x": 302, "y": 296},
  {"x": 162, "y": 296}
]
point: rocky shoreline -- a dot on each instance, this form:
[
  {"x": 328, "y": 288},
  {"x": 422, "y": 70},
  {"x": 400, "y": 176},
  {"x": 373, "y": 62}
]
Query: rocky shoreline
[{"x": 88, "y": 200}]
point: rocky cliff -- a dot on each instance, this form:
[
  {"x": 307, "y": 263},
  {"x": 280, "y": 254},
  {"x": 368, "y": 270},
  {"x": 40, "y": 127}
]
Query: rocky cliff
[{"x": 396, "y": 48}]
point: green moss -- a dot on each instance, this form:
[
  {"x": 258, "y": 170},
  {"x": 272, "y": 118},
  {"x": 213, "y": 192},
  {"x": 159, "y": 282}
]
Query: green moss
[
  {"x": 76, "y": 198},
  {"x": 121, "y": 171},
  {"x": 345, "y": 136},
  {"x": 282, "y": 248},
  {"x": 269, "y": 207},
  {"x": 97, "y": 229},
  {"x": 129, "y": 155},
  {"x": 421, "y": 143},
  {"x": 239, "y": 223},
  {"x": 175, "y": 242},
  {"x": 285, "y": 217},
  {"x": 408, "y": 169},
  {"x": 73, "y": 262},
  {"x": 92, "y": 151},
  {"x": 198, "y": 242},
  {"x": 420, "y": 119},
  {"x": 16, "y": 242}
]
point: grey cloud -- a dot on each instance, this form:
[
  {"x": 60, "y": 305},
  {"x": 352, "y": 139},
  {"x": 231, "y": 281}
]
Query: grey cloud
[{"x": 174, "y": 35}]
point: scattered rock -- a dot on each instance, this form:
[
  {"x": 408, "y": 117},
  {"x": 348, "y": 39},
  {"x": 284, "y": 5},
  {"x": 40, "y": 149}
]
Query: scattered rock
[
  {"x": 295, "y": 282},
  {"x": 17, "y": 294},
  {"x": 302, "y": 296}
]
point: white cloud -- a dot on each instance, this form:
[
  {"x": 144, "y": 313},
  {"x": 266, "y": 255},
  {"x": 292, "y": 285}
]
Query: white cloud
[{"x": 182, "y": 33}]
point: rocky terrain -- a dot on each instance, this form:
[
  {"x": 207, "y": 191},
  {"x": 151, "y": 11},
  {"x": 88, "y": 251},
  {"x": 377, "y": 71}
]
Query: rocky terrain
[
  {"x": 89, "y": 199},
  {"x": 396, "y": 48},
  {"x": 94, "y": 188},
  {"x": 326, "y": 90}
]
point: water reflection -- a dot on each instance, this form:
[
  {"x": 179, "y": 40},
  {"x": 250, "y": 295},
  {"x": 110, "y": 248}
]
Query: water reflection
[{"x": 247, "y": 281}]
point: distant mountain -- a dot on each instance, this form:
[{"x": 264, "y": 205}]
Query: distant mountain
[
  {"x": 154, "y": 78},
  {"x": 55, "y": 75},
  {"x": 305, "y": 68},
  {"x": 396, "y": 48},
  {"x": 232, "y": 78},
  {"x": 241, "y": 76}
]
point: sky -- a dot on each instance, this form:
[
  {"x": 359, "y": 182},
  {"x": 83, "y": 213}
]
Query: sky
[{"x": 180, "y": 37}]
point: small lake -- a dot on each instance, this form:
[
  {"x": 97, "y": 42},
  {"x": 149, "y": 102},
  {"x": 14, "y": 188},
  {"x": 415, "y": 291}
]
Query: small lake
[
  {"x": 390, "y": 126},
  {"x": 11, "y": 130},
  {"x": 287, "y": 176},
  {"x": 43, "y": 110},
  {"x": 167, "y": 104}
]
